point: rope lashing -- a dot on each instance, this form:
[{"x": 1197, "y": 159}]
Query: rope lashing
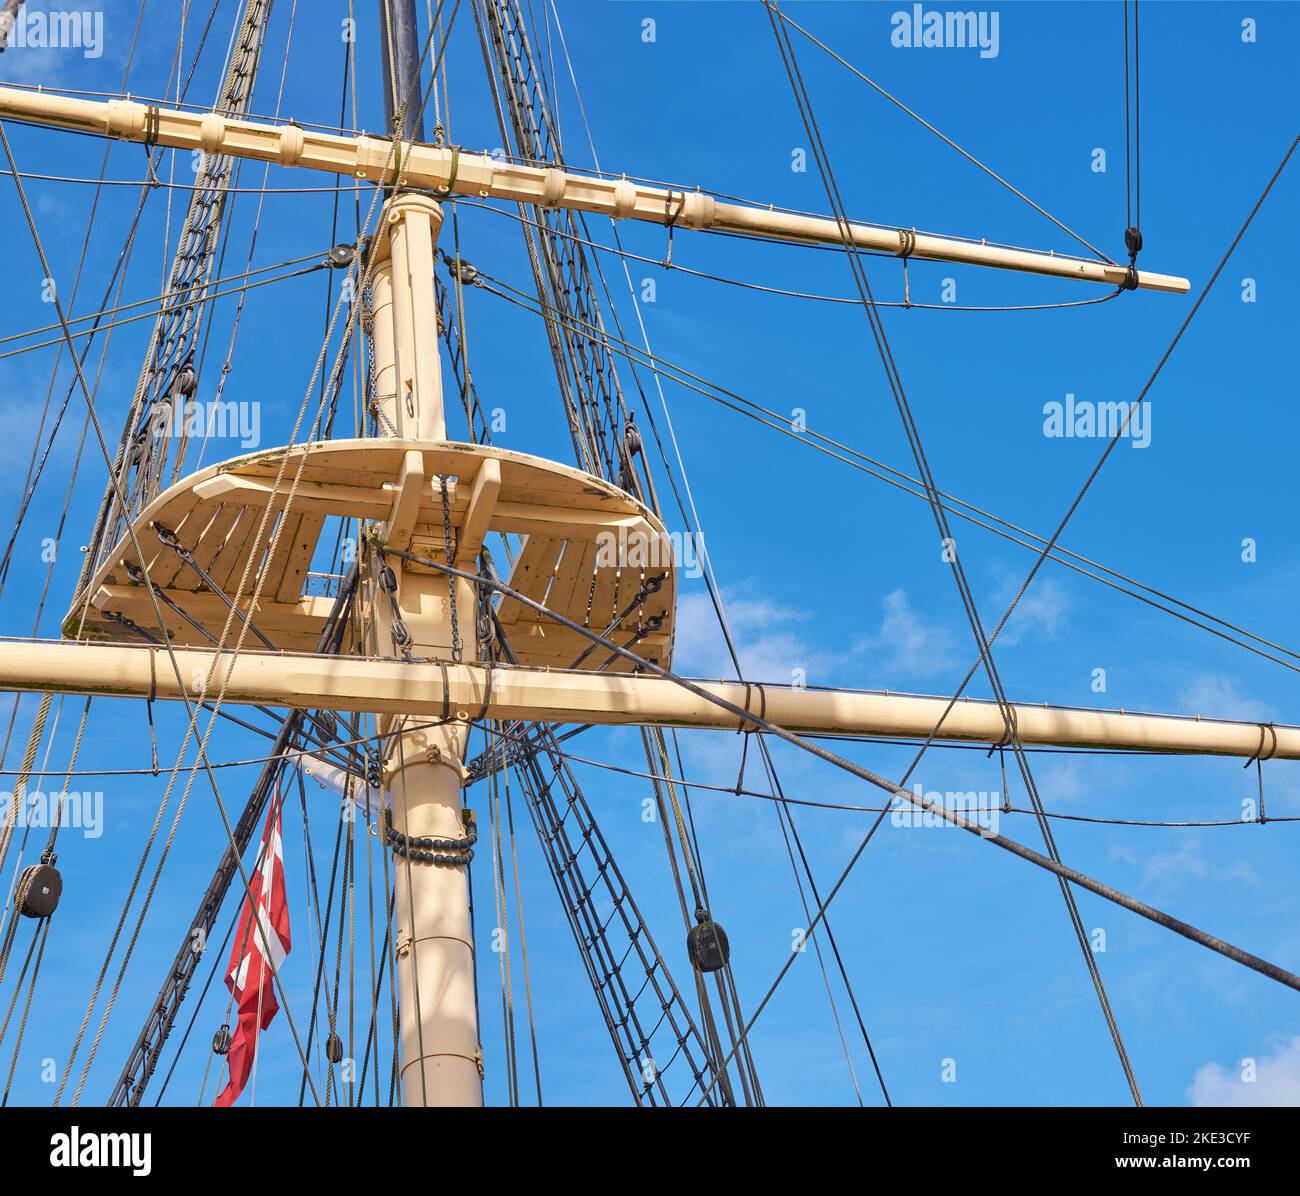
[
  {"x": 443, "y": 192},
  {"x": 671, "y": 217},
  {"x": 906, "y": 247},
  {"x": 422, "y": 849},
  {"x": 1258, "y": 759},
  {"x": 152, "y": 123}
]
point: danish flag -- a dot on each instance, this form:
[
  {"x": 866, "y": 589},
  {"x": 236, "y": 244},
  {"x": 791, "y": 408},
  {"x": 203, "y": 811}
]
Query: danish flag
[{"x": 259, "y": 950}]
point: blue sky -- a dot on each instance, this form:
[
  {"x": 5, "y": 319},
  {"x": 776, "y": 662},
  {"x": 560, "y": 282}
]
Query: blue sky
[{"x": 955, "y": 951}]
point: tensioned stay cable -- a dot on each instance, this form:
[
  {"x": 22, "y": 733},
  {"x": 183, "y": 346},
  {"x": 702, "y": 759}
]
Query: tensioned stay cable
[
  {"x": 947, "y": 140},
  {"x": 692, "y": 520},
  {"x": 1133, "y": 125},
  {"x": 746, "y": 717},
  {"x": 804, "y": 103},
  {"x": 1043, "y": 556}
]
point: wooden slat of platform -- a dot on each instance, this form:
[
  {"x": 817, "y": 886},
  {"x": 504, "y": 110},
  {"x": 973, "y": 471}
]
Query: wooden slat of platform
[
  {"x": 605, "y": 594},
  {"x": 572, "y": 585},
  {"x": 163, "y": 561},
  {"x": 290, "y": 626},
  {"x": 273, "y": 569},
  {"x": 210, "y": 543},
  {"x": 560, "y": 647},
  {"x": 243, "y": 541},
  {"x": 298, "y": 551},
  {"x": 532, "y": 574}
]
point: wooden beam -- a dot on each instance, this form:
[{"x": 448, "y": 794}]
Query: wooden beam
[
  {"x": 406, "y": 500},
  {"x": 452, "y": 171},
  {"x": 355, "y": 683},
  {"x": 478, "y": 515}
]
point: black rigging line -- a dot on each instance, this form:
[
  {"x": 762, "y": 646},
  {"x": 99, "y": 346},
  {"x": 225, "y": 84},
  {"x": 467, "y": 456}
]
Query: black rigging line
[
  {"x": 748, "y": 718},
  {"x": 804, "y": 103},
  {"x": 1146, "y": 911},
  {"x": 947, "y": 140},
  {"x": 904, "y": 481},
  {"x": 1132, "y": 145}
]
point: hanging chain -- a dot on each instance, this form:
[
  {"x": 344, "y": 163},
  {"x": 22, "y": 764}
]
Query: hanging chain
[
  {"x": 372, "y": 377},
  {"x": 451, "y": 580}
]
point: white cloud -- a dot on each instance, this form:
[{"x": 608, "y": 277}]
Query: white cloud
[
  {"x": 1186, "y": 861},
  {"x": 907, "y": 642},
  {"x": 1063, "y": 780},
  {"x": 1042, "y": 611},
  {"x": 768, "y": 638},
  {"x": 1276, "y": 1081},
  {"x": 1218, "y": 697}
]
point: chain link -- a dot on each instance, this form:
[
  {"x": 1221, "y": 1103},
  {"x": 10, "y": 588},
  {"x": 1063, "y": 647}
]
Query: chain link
[{"x": 451, "y": 580}]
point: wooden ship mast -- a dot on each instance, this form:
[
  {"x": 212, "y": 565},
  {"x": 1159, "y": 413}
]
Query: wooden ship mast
[{"x": 215, "y": 565}]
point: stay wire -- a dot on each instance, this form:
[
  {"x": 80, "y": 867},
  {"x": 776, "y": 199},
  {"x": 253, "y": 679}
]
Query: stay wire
[
  {"x": 804, "y": 102},
  {"x": 746, "y": 717},
  {"x": 943, "y": 137},
  {"x": 909, "y": 484}
]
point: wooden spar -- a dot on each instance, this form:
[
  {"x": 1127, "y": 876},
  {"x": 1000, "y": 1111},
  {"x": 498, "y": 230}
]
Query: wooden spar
[
  {"x": 535, "y": 694},
  {"x": 441, "y": 1061},
  {"x": 450, "y": 171}
]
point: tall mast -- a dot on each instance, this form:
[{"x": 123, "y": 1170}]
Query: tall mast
[
  {"x": 440, "y": 1058},
  {"x": 399, "y": 40}
]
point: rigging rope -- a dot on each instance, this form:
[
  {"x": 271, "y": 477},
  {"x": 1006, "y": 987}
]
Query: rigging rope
[
  {"x": 911, "y": 429},
  {"x": 942, "y": 137},
  {"x": 1133, "y": 128},
  {"x": 912, "y": 485},
  {"x": 759, "y": 722}
]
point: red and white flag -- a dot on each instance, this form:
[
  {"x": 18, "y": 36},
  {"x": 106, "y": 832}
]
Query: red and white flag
[{"x": 259, "y": 950}]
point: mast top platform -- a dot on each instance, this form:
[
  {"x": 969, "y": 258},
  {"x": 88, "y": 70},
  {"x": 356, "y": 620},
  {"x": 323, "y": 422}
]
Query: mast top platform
[{"x": 592, "y": 551}]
